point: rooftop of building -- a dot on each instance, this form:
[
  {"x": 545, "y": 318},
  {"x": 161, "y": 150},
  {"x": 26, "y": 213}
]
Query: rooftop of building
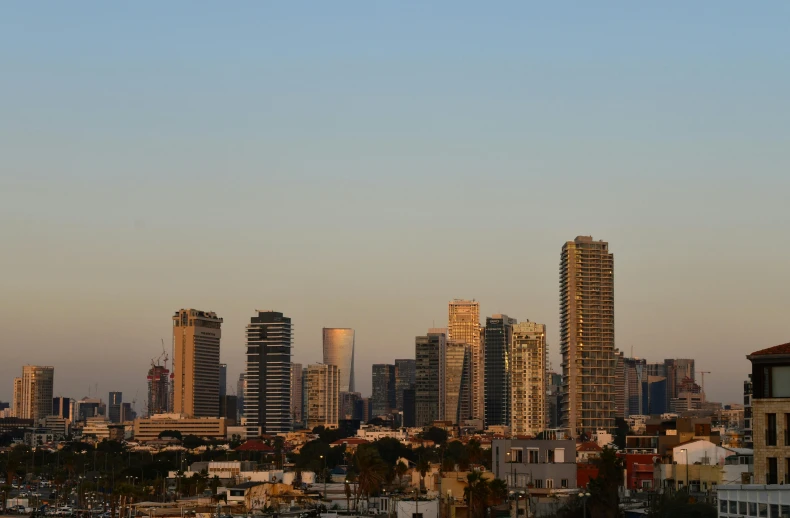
[{"x": 781, "y": 349}]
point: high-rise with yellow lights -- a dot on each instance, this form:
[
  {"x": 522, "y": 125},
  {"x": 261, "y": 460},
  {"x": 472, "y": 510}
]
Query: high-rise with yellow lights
[
  {"x": 463, "y": 327},
  {"x": 196, "y": 337},
  {"x": 587, "y": 336},
  {"x": 528, "y": 373},
  {"x": 33, "y": 392}
]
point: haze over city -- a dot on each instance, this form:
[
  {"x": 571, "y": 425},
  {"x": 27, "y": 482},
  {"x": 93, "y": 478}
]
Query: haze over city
[{"x": 361, "y": 165}]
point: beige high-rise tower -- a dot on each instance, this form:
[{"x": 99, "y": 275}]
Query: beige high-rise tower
[
  {"x": 323, "y": 395},
  {"x": 528, "y": 414},
  {"x": 33, "y": 392},
  {"x": 463, "y": 327},
  {"x": 196, "y": 337},
  {"x": 587, "y": 336}
]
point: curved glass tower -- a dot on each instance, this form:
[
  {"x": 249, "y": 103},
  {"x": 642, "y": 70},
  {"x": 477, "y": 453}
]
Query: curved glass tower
[{"x": 339, "y": 350}]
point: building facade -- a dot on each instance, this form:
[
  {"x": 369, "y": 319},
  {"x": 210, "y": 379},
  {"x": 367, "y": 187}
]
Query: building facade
[
  {"x": 537, "y": 464},
  {"x": 429, "y": 374},
  {"x": 297, "y": 397},
  {"x": 498, "y": 334},
  {"x": 339, "y": 351},
  {"x": 405, "y": 379},
  {"x": 771, "y": 414},
  {"x": 383, "y": 394},
  {"x": 463, "y": 327},
  {"x": 196, "y": 342},
  {"x": 528, "y": 379},
  {"x": 323, "y": 396},
  {"x": 456, "y": 405},
  {"x": 148, "y": 429},
  {"x": 33, "y": 392},
  {"x": 587, "y": 336},
  {"x": 158, "y": 390},
  {"x": 114, "y": 407},
  {"x": 267, "y": 398}
]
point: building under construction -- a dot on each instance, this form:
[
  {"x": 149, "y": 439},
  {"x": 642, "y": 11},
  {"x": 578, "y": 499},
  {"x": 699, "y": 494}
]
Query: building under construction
[{"x": 158, "y": 390}]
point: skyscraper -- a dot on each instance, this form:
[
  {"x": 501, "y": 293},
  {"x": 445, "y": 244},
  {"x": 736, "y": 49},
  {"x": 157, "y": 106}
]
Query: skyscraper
[
  {"x": 267, "y": 400},
  {"x": 241, "y": 388},
  {"x": 405, "y": 379},
  {"x": 196, "y": 338},
  {"x": 429, "y": 376},
  {"x": 463, "y": 327},
  {"x": 61, "y": 407},
  {"x": 456, "y": 389},
  {"x": 16, "y": 402},
  {"x": 498, "y": 334},
  {"x": 223, "y": 380},
  {"x": 158, "y": 390},
  {"x": 34, "y": 400},
  {"x": 383, "y": 395},
  {"x": 528, "y": 379},
  {"x": 587, "y": 336},
  {"x": 114, "y": 407},
  {"x": 322, "y": 396},
  {"x": 339, "y": 350},
  {"x": 631, "y": 373},
  {"x": 677, "y": 371},
  {"x": 348, "y": 405},
  {"x": 297, "y": 411}
]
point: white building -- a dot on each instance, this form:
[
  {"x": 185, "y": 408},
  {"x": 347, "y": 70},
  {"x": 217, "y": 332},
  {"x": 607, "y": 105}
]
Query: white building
[
  {"x": 528, "y": 364},
  {"x": 754, "y": 500},
  {"x": 700, "y": 451},
  {"x": 373, "y": 433}
]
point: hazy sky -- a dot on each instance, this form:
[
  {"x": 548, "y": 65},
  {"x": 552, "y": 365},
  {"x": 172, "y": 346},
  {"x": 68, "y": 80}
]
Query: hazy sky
[{"x": 359, "y": 164}]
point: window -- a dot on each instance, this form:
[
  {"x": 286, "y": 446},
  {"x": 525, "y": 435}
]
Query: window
[
  {"x": 647, "y": 484},
  {"x": 564, "y": 483},
  {"x": 770, "y": 429},
  {"x": 742, "y": 508},
  {"x": 752, "y": 508},
  {"x": 532, "y": 456},
  {"x": 549, "y": 483},
  {"x": 538, "y": 483},
  {"x": 559, "y": 455},
  {"x": 774, "y": 510},
  {"x": 722, "y": 506},
  {"x": 516, "y": 455},
  {"x": 763, "y": 510},
  {"x": 785, "y": 510},
  {"x": 733, "y": 507},
  {"x": 550, "y": 456},
  {"x": 771, "y": 477}
]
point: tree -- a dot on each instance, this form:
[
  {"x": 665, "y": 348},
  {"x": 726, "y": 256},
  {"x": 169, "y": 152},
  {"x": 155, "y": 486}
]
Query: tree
[
  {"x": 604, "y": 499},
  {"x": 437, "y": 435},
  {"x": 678, "y": 505},
  {"x": 401, "y": 469},
  {"x": 191, "y": 442},
  {"x": 476, "y": 492},
  {"x": 423, "y": 466},
  {"x": 171, "y": 434},
  {"x": 371, "y": 470}
]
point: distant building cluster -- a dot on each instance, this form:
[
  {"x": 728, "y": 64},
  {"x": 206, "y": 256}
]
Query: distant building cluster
[{"x": 475, "y": 374}]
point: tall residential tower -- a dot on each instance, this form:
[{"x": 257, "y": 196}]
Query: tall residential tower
[
  {"x": 498, "y": 333},
  {"x": 267, "y": 398},
  {"x": 587, "y": 336},
  {"x": 528, "y": 379}
]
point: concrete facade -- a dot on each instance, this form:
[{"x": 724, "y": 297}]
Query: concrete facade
[{"x": 534, "y": 463}]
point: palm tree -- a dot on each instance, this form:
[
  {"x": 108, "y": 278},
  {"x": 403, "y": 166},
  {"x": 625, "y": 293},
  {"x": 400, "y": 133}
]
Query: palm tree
[
  {"x": 371, "y": 469},
  {"x": 423, "y": 466},
  {"x": 476, "y": 492},
  {"x": 400, "y": 470}
]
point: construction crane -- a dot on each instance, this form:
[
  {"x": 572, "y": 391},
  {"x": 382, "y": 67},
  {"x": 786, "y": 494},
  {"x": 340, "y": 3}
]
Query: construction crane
[{"x": 703, "y": 383}]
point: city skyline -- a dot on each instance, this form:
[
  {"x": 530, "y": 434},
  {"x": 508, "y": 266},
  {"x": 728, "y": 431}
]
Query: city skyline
[{"x": 376, "y": 151}]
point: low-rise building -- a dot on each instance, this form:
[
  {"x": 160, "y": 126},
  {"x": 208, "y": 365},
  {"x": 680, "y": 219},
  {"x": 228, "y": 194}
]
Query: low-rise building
[
  {"x": 541, "y": 465},
  {"x": 149, "y": 428}
]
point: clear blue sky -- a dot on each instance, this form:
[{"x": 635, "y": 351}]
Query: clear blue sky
[{"x": 359, "y": 164}]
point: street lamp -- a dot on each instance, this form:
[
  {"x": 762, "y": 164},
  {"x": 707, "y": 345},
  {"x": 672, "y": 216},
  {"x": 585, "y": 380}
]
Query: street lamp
[
  {"x": 325, "y": 497},
  {"x": 686, "y": 458},
  {"x": 584, "y": 495}
]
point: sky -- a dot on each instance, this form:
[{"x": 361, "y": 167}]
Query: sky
[{"x": 360, "y": 164}]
